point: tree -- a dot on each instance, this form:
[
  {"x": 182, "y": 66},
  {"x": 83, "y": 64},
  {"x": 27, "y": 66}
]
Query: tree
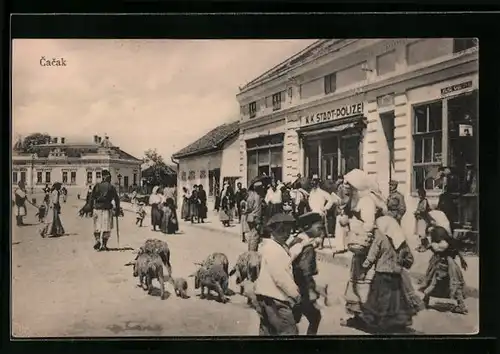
[
  {"x": 30, "y": 141},
  {"x": 158, "y": 173}
]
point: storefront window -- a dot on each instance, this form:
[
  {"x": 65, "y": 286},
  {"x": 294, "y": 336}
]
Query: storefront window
[
  {"x": 427, "y": 144},
  {"x": 312, "y": 156},
  {"x": 265, "y": 156}
]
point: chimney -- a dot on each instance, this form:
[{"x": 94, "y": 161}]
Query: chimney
[
  {"x": 63, "y": 140},
  {"x": 96, "y": 139},
  {"x": 55, "y": 140},
  {"x": 100, "y": 139}
]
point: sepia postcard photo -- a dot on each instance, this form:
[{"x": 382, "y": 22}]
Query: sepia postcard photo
[{"x": 169, "y": 188}]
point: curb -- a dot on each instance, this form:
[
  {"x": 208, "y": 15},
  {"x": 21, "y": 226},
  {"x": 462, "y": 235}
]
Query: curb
[{"x": 323, "y": 257}]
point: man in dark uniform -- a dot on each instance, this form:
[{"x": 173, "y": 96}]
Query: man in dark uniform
[
  {"x": 305, "y": 268},
  {"x": 101, "y": 202},
  {"x": 396, "y": 205}
]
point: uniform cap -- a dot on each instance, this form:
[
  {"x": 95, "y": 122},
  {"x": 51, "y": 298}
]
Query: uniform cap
[
  {"x": 105, "y": 173},
  {"x": 280, "y": 218}
]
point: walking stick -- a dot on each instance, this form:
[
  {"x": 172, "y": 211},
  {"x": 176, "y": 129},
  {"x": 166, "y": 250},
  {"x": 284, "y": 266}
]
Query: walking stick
[{"x": 117, "y": 231}]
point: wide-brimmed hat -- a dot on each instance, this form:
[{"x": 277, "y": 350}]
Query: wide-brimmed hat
[
  {"x": 308, "y": 219},
  {"x": 280, "y": 218}
]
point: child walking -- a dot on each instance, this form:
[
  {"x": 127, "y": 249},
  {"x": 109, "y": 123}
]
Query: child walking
[
  {"x": 421, "y": 213},
  {"x": 141, "y": 214},
  {"x": 42, "y": 212}
]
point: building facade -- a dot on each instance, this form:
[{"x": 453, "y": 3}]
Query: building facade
[
  {"x": 210, "y": 161},
  {"x": 76, "y": 164},
  {"x": 399, "y": 109}
]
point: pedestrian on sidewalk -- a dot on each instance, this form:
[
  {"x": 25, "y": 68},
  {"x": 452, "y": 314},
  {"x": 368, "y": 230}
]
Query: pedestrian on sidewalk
[
  {"x": 238, "y": 197},
  {"x": 444, "y": 278},
  {"x": 225, "y": 205},
  {"x": 141, "y": 214},
  {"x": 103, "y": 194},
  {"x": 421, "y": 212},
  {"x": 169, "y": 222},
  {"x": 275, "y": 289},
  {"x": 202, "y": 206},
  {"x": 254, "y": 213},
  {"x": 185, "y": 204},
  {"x": 155, "y": 201},
  {"x": 245, "y": 229},
  {"x": 396, "y": 206},
  {"x": 194, "y": 202}
]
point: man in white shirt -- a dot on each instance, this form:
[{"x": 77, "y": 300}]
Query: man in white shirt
[
  {"x": 275, "y": 289},
  {"x": 320, "y": 201}
]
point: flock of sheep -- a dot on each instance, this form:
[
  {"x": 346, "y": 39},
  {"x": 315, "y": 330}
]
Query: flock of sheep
[{"x": 212, "y": 274}]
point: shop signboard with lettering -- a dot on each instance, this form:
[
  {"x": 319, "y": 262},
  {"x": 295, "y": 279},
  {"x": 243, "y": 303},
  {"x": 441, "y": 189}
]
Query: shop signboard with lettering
[
  {"x": 456, "y": 88},
  {"x": 344, "y": 111}
]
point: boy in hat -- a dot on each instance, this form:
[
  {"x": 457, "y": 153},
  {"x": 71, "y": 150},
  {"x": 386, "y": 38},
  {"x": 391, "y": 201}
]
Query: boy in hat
[
  {"x": 141, "y": 214},
  {"x": 303, "y": 254},
  {"x": 275, "y": 289}
]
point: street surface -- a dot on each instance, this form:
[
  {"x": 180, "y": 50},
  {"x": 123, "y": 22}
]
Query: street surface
[{"x": 61, "y": 287}]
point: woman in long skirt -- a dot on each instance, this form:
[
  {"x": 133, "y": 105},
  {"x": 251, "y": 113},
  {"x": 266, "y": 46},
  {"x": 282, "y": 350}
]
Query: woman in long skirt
[
  {"x": 185, "y": 204},
  {"x": 225, "y": 206},
  {"x": 55, "y": 227},
  {"x": 444, "y": 278},
  {"x": 387, "y": 308},
  {"x": 202, "y": 207},
  {"x": 169, "y": 222},
  {"x": 155, "y": 201},
  {"x": 194, "y": 202}
]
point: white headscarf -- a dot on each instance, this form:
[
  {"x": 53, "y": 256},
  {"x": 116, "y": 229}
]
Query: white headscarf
[
  {"x": 440, "y": 219},
  {"x": 391, "y": 228},
  {"x": 154, "y": 198}
]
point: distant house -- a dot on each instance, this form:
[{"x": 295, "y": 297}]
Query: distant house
[
  {"x": 210, "y": 160},
  {"x": 168, "y": 178},
  {"x": 77, "y": 163}
]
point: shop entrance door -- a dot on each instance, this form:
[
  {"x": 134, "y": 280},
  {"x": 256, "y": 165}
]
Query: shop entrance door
[{"x": 350, "y": 153}]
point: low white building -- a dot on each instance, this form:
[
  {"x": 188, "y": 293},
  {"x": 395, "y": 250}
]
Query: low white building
[
  {"x": 209, "y": 161},
  {"x": 75, "y": 163}
]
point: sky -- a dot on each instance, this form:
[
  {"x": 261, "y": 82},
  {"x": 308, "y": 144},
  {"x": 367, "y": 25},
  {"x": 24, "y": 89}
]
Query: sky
[{"x": 143, "y": 94}]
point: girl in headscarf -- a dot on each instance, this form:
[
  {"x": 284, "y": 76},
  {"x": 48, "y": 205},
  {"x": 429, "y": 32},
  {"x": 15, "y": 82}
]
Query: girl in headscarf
[
  {"x": 155, "y": 200},
  {"x": 390, "y": 304},
  {"x": 185, "y": 204},
  {"x": 421, "y": 220},
  {"x": 364, "y": 205},
  {"x": 20, "y": 198},
  {"x": 194, "y": 203},
  {"x": 169, "y": 223},
  {"x": 225, "y": 205},
  {"x": 55, "y": 227},
  {"x": 444, "y": 278}
]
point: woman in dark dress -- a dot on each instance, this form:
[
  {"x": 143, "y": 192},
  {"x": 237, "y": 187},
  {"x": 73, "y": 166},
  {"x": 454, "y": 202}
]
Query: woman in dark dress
[
  {"x": 202, "y": 207},
  {"x": 444, "y": 278},
  {"x": 169, "y": 222},
  {"x": 194, "y": 202},
  {"x": 225, "y": 205},
  {"x": 156, "y": 213}
]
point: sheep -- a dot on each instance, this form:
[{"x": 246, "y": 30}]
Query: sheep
[
  {"x": 149, "y": 266},
  {"x": 247, "y": 269},
  {"x": 216, "y": 258},
  {"x": 180, "y": 285},
  {"x": 213, "y": 278},
  {"x": 160, "y": 248}
]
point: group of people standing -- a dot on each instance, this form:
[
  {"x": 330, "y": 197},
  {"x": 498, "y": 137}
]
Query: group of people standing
[
  {"x": 194, "y": 204},
  {"x": 164, "y": 210},
  {"x": 370, "y": 227}
]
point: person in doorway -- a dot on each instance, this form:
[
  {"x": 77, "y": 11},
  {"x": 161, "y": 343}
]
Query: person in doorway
[
  {"x": 238, "y": 197},
  {"x": 421, "y": 214},
  {"x": 321, "y": 202},
  {"x": 275, "y": 289},
  {"x": 254, "y": 213},
  {"x": 20, "y": 198},
  {"x": 103, "y": 195},
  {"x": 155, "y": 200},
  {"x": 396, "y": 206}
]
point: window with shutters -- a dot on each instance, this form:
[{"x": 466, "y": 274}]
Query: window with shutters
[
  {"x": 183, "y": 175},
  {"x": 47, "y": 177},
  {"x": 39, "y": 177},
  {"x": 73, "y": 177},
  {"x": 65, "y": 177},
  {"x": 14, "y": 177}
]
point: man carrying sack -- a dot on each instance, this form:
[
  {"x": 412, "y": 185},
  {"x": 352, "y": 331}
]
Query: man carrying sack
[{"x": 101, "y": 202}]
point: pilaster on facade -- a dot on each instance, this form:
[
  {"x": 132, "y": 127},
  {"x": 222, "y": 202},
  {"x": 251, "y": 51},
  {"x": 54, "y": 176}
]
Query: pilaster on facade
[
  {"x": 292, "y": 149},
  {"x": 402, "y": 143}
]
